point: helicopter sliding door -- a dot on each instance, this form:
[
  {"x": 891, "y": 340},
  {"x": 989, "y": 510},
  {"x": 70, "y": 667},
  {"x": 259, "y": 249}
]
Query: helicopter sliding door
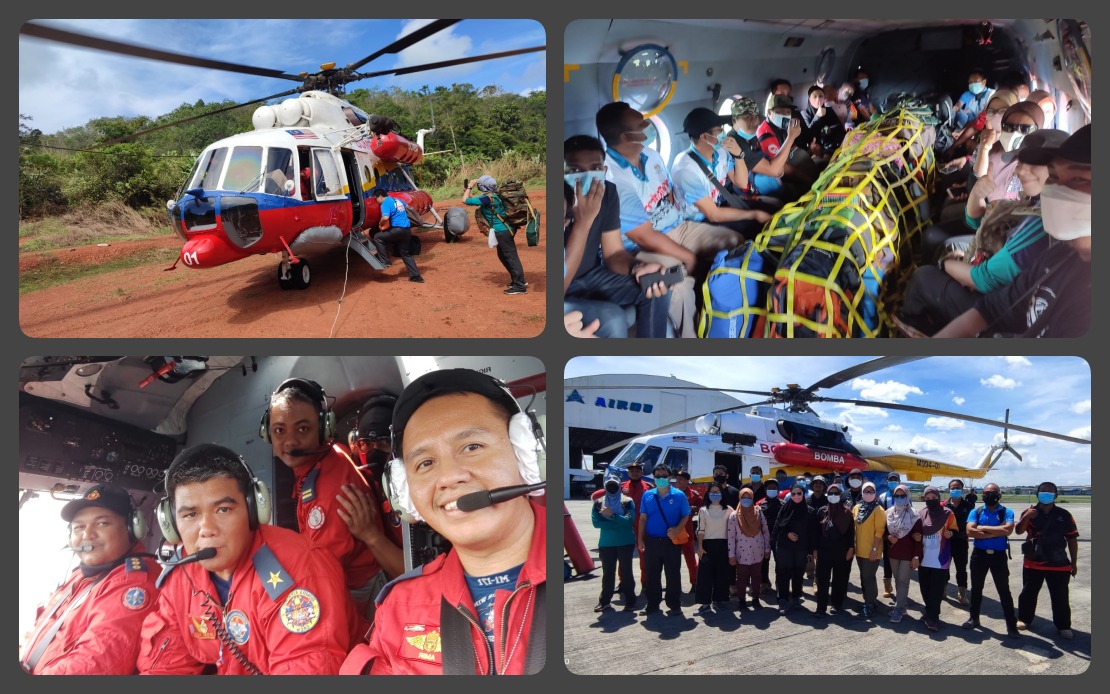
[{"x": 358, "y": 207}]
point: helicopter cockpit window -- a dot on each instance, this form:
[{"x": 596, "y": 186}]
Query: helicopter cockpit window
[
  {"x": 677, "y": 459},
  {"x": 650, "y": 457},
  {"x": 244, "y": 171},
  {"x": 630, "y": 454},
  {"x": 354, "y": 117},
  {"x": 209, "y": 168},
  {"x": 279, "y": 169},
  {"x": 325, "y": 177}
]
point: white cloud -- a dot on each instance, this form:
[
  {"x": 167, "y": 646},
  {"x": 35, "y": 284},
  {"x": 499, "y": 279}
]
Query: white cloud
[
  {"x": 958, "y": 400},
  {"x": 944, "y": 423},
  {"x": 892, "y": 427},
  {"x": 1081, "y": 407},
  {"x": 1018, "y": 362},
  {"x": 447, "y": 44},
  {"x": 1081, "y": 432},
  {"x": 999, "y": 381},
  {"x": 890, "y": 391},
  {"x": 923, "y": 444}
]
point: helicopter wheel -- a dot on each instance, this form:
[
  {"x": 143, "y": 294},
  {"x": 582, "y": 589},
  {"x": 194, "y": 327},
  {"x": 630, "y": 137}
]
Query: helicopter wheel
[
  {"x": 301, "y": 274},
  {"x": 283, "y": 281}
]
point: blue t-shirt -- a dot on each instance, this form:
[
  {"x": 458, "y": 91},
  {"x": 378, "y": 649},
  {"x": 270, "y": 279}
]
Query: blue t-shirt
[
  {"x": 675, "y": 506},
  {"x": 985, "y": 516},
  {"x": 223, "y": 588},
  {"x": 396, "y": 211},
  {"x": 482, "y": 591}
]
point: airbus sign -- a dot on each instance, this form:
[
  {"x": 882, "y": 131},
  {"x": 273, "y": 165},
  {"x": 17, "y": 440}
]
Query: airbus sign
[{"x": 613, "y": 403}]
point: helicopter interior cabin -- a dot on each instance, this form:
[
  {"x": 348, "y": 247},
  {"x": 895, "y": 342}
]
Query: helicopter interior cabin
[{"x": 916, "y": 69}]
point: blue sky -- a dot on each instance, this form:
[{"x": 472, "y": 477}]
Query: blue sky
[
  {"x": 1050, "y": 393},
  {"x": 62, "y": 86}
]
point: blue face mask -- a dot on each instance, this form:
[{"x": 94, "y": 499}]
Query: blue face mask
[
  {"x": 743, "y": 133},
  {"x": 955, "y": 493},
  {"x": 756, "y": 477},
  {"x": 662, "y": 482},
  {"x": 715, "y": 497},
  {"x": 834, "y": 498},
  {"x": 863, "y": 83},
  {"x": 1046, "y": 497},
  {"x": 721, "y": 138},
  {"x": 587, "y": 178},
  {"x": 772, "y": 493},
  {"x": 901, "y": 501},
  {"x": 976, "y": 88},
  {"x": 746, "y": 503}
]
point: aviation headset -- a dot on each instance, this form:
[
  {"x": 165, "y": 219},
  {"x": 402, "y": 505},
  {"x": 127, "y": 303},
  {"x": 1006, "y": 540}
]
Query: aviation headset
[
  {"x": 384, "y": 400},
  {"x": 133, "y": 517},
  {"x": 257, "y": 495},
  {"x": 325, "y": 416},
  {"x": 525, "y": 432}
]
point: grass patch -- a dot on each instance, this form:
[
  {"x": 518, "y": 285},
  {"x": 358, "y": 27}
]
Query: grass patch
[
  {"x": 53, "y": 272},
  {"x": 110, "y": 222}
]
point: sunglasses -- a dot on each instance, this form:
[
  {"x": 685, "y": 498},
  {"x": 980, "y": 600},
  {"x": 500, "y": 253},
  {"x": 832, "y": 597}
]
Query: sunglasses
[
  {"x": 1014, "y": 128},
  {"x": 796, "y": 494}
]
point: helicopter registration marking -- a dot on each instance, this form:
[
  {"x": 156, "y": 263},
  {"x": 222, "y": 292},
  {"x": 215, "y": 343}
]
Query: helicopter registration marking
[
  {"x": 928, "y": 464},
  {"x": 190, "y": 258}
]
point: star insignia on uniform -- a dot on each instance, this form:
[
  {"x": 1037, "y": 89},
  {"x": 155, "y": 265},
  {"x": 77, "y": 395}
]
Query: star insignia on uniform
[{"x": 275, "y": 578}]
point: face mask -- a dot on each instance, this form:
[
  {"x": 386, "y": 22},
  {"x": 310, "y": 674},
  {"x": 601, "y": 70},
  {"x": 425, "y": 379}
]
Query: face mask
[
  {"x": 587, "y": 177},
  {"x": 801, "y": 483},
  {"x": 636, "y": 136},
  {"x": 715, "y": 497},
  {"x": 772, "y": 493},
  {"x": 1066, "y": 213},
  {"x": 662, "y": 482},
  {"x": 975, "y": 88},
  {"x": 991, "y": 498},
  {"x": 756, "y": 477},
  {"x": 1046, "y": 497},
  {"x": 720, "y": 479},
  {"x": 721, "y": 138},
  {"x": 612, "y": 488},
  {"x": 892, "y": 484},
  {"x": 933, "y": 503},
  {"x": 863, "y": 83},
  {"x": 955, "y": 493},
  {"x": 781, "y": 121},
  {"x": 1010, "y": 141},
  {"x": 901, "y": 501},
  {"x": 834, "y": 498},
  {"x": 746, "y": 503},
  {"x": 855, "y": 483},
  {"x": 869, "y": 496}
]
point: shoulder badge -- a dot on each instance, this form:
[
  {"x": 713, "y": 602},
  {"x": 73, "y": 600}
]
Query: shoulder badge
[
  {"x": 132, "y": 564},
  {"x": 134, "y": 598},
  {"x": 300, "y": 611},
  {"x": 316, "y": 517},
  {"x": 421, "y": 642},
  {"x": 275, "y": 579},
  {"x": 238, "y": 626},
  {"x": 308, "y": 489}
]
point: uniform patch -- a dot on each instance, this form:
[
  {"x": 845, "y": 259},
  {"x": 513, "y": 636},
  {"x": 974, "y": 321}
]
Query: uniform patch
[
  {"x": 300, "y": 611},
  {"x": 238, "y": 626},
  {"x": 315, "y": 517},
  {"x": 199, "y": 627},
  {"x": 134, "y": 598},
  {"x": 427, "y": 647}
]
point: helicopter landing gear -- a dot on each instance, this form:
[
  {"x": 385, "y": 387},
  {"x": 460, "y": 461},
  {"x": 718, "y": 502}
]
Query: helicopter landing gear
[{"x": 294, "y": 275}]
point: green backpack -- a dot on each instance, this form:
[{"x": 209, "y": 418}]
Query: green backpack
[{"x": 518, "y": 210}]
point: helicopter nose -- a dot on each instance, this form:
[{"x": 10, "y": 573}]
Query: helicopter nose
[{"x": 198, "y": 250}]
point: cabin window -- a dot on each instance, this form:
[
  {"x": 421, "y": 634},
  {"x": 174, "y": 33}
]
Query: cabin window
[
  {"x": 244, "y": 171},
  {"x": 659, "y": 138},
  {"x": 209, "y": 168},
  {"x": 677, "y": 459},
  {"x": 279, "y": 169},
  {"x": 354, "y": 117},
  {"x": 325, "y": 176}
]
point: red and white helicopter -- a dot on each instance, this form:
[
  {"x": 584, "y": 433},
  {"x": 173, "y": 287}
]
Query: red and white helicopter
[{"x": 300, "y": 182}]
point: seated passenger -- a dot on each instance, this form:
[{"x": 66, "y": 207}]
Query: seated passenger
[
  {"x": 1052, "y": 297},
  {"x": 843, "y": 107},
  {"x": 1047, "y": 104},
  {"x": 772, "y": 135},
  {"x": 708, "y": 158},
  {"x": 765, "y": 174},
  {"x": 1017, "y": 81},
  {"x": 824, "y": 125},
  {"x": 989, "y": 118},
  {"x": 972, "y": 101},
  {"x": 653, "y": 224},
  {"x": 862, "y": 98},
  {"x": 602, "y": 277},
  {"x": 1008, "y": 238}
]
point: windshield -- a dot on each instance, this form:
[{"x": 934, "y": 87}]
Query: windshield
[
  {"x": 208, "y": 169},
  {"x": 628, "y": 455},
  {"x": 245, "y": 169}
]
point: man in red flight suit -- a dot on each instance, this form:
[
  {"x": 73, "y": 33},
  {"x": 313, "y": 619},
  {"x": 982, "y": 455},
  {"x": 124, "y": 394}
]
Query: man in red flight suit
[
  {"x": 264, "y": 601},
  {"x": 90, "y": 626},
  {"x": 300, "y": 427},
  {"x": 689, "y": 551},
  {"x": 480, "y": 608}
]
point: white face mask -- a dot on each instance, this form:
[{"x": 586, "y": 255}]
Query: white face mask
[
  {"x": 781, "y": 120},
  {"x": 995, "y": 122},
  {"x": 1010, "y": 141},
  {"x": 1066, "y": 213}
]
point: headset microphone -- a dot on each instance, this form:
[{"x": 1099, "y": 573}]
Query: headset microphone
[
  {"x": 201, "y": 555},
  {"x": 484, "y": 498}
]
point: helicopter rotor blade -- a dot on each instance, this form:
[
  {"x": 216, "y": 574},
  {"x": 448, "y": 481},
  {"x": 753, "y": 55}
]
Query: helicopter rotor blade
[
  {"x": 956, "y": 415},
  {"x": 859, "y": 370},
  {"x": 139, "y": 133},
  {"x": 406, "y": 41},
  {"x": 40, "y": 31},
  {"x": 447, "y": 63}
]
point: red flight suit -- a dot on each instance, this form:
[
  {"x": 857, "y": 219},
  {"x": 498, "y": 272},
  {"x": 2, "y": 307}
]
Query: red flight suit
[{"x": 689, "y": 552}]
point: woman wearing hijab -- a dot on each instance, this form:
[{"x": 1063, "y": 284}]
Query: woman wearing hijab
[
  {"x": 613, "y": 514},
  {"x": 870, "y": 527},
  {"x": 749, "y": 543},
  {"x": 835, "y": 549},
  {"x": 794, "y": 539},
  {"x": 938, "y": 524},
  {"x": 904, "y": 551},
  {"x": 713, "y": 563}
]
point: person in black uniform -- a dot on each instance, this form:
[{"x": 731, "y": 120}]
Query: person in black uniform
[{"x": 961, "y": 504}]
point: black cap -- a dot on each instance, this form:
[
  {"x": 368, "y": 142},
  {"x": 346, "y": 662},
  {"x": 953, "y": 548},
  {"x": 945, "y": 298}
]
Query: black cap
[
  {"x": 685, "y": 474},
  {"x": 445, "y": 382},
  {"x": 702, "y": 120},
  {"x": 1076, "y": 148},
  {"x": 636, "y": 463},
  {"x": 377, "y": 412},
  {"x": 109, "y": 496}
]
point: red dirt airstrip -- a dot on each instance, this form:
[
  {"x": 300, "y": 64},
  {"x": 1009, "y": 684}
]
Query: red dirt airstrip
[{"x": 461, "y": 297}]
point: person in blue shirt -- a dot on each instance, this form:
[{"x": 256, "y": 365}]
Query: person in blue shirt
[
  {"x": 663, "y": 513},
  {"x": 399, "y": 232},
  {"x": 988, "y": 526},
  {"x": 972, "y": 101}
]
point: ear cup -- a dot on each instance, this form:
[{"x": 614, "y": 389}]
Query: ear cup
[
  {"x": 260, "y": 514},
  {"x": 164, "y": 512},
  {"x": 526, "y": 447},
  {"x": 328, "y": 427},
  {"x": 399, "y": 491},
  {"x": 264, "y": 425},
  {"x": 137, "y": 524}
]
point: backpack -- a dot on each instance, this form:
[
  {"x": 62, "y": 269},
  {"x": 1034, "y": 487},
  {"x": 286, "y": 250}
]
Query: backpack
[
  {"x": 518, "y": 211},
  {"x": 734, "y": 292}
]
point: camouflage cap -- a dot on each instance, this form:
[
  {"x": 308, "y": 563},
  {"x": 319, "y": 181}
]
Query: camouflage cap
[{"x": 744, "y": 106}]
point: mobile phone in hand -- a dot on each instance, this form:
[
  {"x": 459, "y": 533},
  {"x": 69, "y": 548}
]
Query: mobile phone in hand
[
  {"x": 669, "y": 276},
  {"x": 466, "y": 183}
]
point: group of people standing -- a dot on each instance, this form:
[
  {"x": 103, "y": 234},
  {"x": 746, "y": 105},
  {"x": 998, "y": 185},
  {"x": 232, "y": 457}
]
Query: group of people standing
[{"x": 819, "y": 528}]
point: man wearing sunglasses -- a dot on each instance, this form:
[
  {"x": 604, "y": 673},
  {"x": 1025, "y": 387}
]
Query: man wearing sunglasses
[{"x": 988, "y": 526}]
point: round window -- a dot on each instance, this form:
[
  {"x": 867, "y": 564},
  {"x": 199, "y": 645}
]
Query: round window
[{"x": 645, "y": 79}]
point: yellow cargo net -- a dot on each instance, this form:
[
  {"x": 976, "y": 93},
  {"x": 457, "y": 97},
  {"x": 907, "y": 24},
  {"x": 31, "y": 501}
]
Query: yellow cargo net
[{"x": 844, "y": 248}]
